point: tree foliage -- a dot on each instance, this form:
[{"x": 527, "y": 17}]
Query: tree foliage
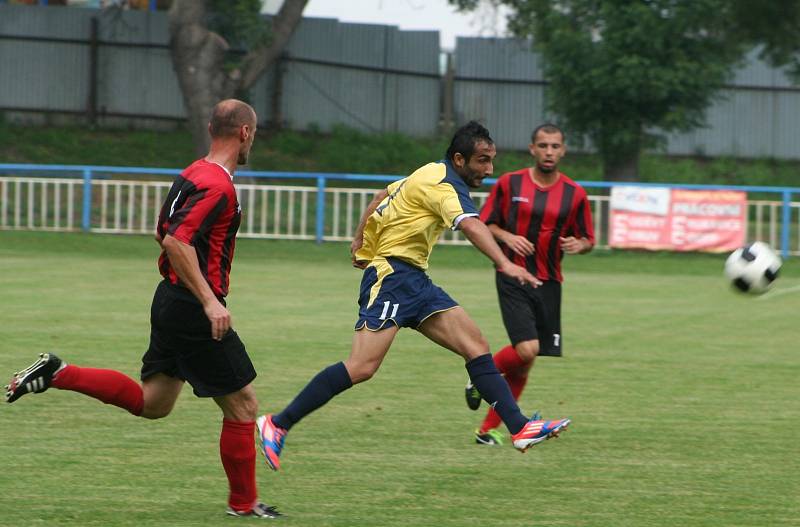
[
  {"x": 774, "y": 25},
  {"x": 203, "y": 35},
  {"x": 239, "y": 23},
  {"x": 623, "y": 73}
]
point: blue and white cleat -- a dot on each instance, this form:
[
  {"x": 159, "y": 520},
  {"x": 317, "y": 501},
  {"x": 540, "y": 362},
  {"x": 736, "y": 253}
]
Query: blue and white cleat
[
  {"x": 270, "y": 440},
  {"x": 537, "y": 430}
]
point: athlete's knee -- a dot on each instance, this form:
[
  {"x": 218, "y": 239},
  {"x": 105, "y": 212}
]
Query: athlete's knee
[
  {"x": 527, "y": 350},
  {"x": 249, "y": 408},
  {"x": 156, "y": 410},
  {"x": 242, "y": 413},
  {"x": 240, "y": 406},
  {"x": 362, "y": 370},
  {"x": 159, "y": 394}
]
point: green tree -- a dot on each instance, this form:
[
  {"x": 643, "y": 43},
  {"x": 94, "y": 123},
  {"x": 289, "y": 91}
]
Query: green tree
[
  {"x": 775, "y": 25},
  {"x": 622, "y": 73},
  {"x": 203, "y": 33}
]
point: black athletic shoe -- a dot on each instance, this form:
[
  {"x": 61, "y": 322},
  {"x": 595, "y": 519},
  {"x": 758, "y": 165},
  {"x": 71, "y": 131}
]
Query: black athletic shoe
[
  {"x": 492, "y": 438},
  {"x": 36, "y": 378},
  {"x": 473, "y": 396},
  {"x": 261, "y": 510}
]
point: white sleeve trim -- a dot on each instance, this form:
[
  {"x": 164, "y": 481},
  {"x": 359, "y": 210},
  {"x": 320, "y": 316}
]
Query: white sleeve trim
[{"x": 461, "y": 217}]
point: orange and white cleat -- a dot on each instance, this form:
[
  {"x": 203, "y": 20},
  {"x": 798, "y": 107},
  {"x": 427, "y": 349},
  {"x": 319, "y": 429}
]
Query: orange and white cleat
[{"x": 536, "y": 431}]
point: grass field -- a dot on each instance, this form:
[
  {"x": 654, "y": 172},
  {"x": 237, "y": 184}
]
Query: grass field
[{"x": 683, "y": 395}]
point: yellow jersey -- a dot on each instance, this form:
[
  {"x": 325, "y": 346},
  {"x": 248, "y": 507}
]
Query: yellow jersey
[{"x": 409, "y": 221}]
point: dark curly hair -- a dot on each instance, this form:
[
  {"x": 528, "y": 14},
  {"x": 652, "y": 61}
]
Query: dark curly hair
[{"x": 465, "y": 139}]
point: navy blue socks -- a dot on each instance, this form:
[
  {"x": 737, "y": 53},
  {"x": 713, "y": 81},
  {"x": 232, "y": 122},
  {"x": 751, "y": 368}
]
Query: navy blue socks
[
  {"x": 495, "y": 391},
  {"x": 334, "y": 379},
  {"x": 328, "y": 383}
]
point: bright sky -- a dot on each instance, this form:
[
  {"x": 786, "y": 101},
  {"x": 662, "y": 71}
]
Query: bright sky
[{"x": 408, "y": 14}]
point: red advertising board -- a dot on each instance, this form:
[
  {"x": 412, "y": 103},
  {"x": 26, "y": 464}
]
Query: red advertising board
[{"x": 659, "y": 218}]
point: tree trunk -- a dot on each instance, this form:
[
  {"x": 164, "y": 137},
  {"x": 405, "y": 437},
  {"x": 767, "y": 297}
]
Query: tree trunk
[
  {"x": 198, "y": 58},
  {"x": 283, "y": 25},
  {"x": 621, "y": 167}
]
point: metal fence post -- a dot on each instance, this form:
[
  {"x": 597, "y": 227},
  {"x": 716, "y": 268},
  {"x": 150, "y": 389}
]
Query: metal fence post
[
  {"x": 786, "y": 223},
  {"x": 91, "y": 103},
  {"x": 87, "y": 200},
  {"x": 320, "y": 234}
]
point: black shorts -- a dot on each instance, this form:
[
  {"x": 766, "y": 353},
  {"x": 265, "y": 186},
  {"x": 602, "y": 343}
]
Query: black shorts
[
  {"x": 181, "y": 346},
  {"x": 531, "y": 313}
]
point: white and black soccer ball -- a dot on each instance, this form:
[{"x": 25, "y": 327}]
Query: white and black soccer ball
[{"x": 753, "y": 268}]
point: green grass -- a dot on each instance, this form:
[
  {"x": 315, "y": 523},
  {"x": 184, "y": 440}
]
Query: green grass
[{"x": 683, "y": 396}]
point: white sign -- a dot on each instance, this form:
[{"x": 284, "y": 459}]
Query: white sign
[{"x": 649, "y": 200}]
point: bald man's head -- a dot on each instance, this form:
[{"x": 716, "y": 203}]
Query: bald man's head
[{"x": 229, "y": 116}]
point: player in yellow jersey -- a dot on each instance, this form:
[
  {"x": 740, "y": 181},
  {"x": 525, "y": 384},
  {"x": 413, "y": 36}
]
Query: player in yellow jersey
[{"x": 392, "y": 244}]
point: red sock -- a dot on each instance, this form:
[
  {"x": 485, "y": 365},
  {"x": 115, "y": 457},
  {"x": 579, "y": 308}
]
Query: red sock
[
  {"x": 109, "y": 386},
  {"x": 516, "y": 382},
  {"x": 508, "y": 360},
  {"x": 238, "y": 452}
]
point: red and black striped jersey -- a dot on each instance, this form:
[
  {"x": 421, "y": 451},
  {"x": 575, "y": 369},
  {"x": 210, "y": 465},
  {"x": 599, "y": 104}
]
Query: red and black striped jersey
[
  {"x": 520, "y": 206},
  {"x": 201, "y": 210}
]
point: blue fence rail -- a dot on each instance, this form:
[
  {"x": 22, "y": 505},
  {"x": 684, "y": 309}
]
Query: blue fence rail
[{"x": 90, "y": 173}]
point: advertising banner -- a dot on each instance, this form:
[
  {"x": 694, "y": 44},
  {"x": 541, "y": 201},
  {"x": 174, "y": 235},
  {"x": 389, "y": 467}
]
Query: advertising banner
[{"x": 659, "y": 218}]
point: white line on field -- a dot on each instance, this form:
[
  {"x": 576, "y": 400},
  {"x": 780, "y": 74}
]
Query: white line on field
[{"x": 779, "y": 292}]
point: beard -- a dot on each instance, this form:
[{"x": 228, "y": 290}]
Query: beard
[
  {"x": 547, "y": 170},
  {"x": 474, "y": 181},
  {"x": 242, "y": 159}
]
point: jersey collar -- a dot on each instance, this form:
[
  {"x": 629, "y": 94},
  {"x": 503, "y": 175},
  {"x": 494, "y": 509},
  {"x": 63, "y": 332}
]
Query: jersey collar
[
  {"x": 223, "y": 168},
  {"x": 452, "y": 177}
]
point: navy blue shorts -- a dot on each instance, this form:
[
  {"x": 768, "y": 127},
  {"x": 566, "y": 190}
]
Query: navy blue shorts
[{"x": 393, "y": 291}]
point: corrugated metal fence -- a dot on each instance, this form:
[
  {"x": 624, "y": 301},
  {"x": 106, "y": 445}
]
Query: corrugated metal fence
[
  {"x": 111, "y": 65},
  {"x": 370, "y": 77},
  {"x": 500, "y": 82}
]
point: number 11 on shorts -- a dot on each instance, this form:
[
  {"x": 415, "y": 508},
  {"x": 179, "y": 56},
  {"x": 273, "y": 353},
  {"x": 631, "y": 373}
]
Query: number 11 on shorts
[{"x": 386, "y": 310}]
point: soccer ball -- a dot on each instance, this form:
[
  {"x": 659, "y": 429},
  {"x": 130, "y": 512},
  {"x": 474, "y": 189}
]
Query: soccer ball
[{"x": 753, "y": 268}]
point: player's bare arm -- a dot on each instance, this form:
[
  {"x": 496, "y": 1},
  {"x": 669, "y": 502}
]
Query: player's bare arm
[
  {"x": 358, "y": 236},
  {"x": 481, "y": 237},
  {"x": 519, "y": 244},
  {"x": 573, "y": 245},
  {"x": 183, "y": 259}
]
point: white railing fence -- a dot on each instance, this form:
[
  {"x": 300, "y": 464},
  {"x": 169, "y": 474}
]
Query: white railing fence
[{"x": 269, "y": 211}]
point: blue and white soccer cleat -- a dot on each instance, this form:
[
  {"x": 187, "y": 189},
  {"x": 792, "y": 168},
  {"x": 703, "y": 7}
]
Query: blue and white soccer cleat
[
  {"x": 537, "y": 430},
  {"x": 270, "y": 440}
]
